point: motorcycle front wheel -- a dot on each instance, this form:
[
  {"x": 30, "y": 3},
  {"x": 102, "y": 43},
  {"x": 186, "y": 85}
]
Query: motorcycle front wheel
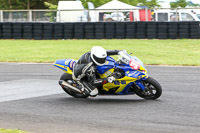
[
  {"x": 69, "y": 91},
  {"x": 153, "y": 89}
]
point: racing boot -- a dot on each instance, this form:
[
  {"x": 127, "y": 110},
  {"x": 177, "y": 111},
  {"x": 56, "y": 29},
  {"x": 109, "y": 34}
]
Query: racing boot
[
  {"x": 90, "y": 89},
  {"x": 94, "y": 92}
]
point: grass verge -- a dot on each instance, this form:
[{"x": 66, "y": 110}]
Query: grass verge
[
  {"x": 11, "y": 131},
  {"x": 156, "y": 52}
]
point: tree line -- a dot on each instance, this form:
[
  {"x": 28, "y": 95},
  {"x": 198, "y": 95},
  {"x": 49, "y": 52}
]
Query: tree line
[
  {"x": 25, "y": 4},
  {"x": 52, "y": 4}
]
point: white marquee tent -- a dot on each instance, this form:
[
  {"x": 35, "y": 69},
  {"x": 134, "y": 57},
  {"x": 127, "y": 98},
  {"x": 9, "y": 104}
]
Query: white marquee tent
[
  {"x": 115, "y": 4},
  {"x": 118, "y": 6}
]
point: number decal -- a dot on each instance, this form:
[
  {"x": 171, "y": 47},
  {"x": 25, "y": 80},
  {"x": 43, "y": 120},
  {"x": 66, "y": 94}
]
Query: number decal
[{"x": 134, "y": 64}]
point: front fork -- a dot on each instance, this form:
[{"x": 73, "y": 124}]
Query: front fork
[{"x": 139, "y": 83}]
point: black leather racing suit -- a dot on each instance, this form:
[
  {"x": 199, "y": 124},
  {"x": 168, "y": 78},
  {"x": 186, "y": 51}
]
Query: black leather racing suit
[{"x": 84, "y": 71}]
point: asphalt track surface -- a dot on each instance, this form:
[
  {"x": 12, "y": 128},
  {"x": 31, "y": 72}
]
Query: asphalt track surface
[{"x": 31, "y": 100}]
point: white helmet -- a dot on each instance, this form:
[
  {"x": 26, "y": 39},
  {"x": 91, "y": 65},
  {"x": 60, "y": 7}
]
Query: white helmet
[{"x": 98, "y": 55}]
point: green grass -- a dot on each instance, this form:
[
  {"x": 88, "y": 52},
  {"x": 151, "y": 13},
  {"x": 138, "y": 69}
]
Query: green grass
[
  {"x": 11, "y": 131},
  {"x": 163, "y": 52}
]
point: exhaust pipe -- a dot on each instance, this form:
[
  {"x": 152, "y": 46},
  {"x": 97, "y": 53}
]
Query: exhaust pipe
[{"x": 67, "y": 85}]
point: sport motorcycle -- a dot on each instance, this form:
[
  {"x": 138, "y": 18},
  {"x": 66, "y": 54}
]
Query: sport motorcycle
[{"x": 129, "y": 71}]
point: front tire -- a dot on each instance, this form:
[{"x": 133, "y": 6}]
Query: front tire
[
  {"x": 72, "y": 93},
  {"x": 153, "y": 89}
]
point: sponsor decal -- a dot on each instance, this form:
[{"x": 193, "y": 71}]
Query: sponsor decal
[
  {"x": 118, "y": 82},
  {"x": 133, "y": 73},
  {"x": 108, "y": 73},
  {"x": 67, "y": 62},
  {"x": 123, "y": 82},
  {"x": 127, "y": 72},
  {"x": 71, "y": 64},
  {"x": 139, "y": 77}
]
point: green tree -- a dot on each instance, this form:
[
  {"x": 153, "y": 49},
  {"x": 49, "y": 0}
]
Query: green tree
[
  {"x": 40, "y": 4},
  {"x": 174, "y": 5},
  {"x": 24, "y": 4},
  {"x": 96, "y": 3},
  {"x": 51, "y": 14},
  {"x": 182, "y": 3},
  {"x": 131, "y": 2},
  {"x": 153, "y": 4},
  {"x": 148, "y": 3},
  {"x": 179, "y": 3},
  {"x": 50, "y": 5}
]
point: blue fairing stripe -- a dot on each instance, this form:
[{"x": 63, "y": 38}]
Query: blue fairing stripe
[{"x": 125, "y": 91}]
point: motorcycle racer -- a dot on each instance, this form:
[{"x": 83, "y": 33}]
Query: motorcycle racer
[
  {"x": 96, "y": 73},
  {"x": 84, "y": 70}
]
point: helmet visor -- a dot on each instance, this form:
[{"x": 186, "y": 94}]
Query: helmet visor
[{"x": 99, "y": 60}]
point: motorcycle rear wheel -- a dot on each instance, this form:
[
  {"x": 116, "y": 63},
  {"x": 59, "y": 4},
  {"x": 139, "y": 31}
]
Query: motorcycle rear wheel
[
  {"x": 72, "y": 93},
  {"x": 153, "y": 89}
]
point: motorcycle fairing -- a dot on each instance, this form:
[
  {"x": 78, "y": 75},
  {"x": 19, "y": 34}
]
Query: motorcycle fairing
[
  {"x": 107, "y": 73},
  {"x": 104, "y": 71},
  {"x": 64, "y": 65},
  {"x": 124, "y": 83},
  {"x": 110, "y": 63}
]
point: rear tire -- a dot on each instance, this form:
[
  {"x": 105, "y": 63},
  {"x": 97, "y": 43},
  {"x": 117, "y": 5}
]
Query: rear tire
[
  {"x": 153, "y": 89},
  {"x": 72, "y": 93}
]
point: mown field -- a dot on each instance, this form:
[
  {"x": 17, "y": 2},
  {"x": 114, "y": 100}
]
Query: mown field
[
  {"x": 154, "y": 52},
  {"x": 11, "y": 131}
]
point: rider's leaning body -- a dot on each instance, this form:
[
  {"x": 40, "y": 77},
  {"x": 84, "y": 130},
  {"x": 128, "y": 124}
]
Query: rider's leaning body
[{"x": 84, "y": 71}]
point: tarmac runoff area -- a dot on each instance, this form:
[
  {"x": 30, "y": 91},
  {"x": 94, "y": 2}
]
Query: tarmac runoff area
[
  {"x": 31, "y": 100},
  {"x": 26, "y": 80}
]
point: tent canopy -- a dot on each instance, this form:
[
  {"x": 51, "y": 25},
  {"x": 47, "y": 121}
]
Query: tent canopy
[
  {"x": 115, "y": 4},
  {"x": 70, "y": 5}
]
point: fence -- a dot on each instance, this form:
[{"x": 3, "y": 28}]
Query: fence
[
  {"x": 100, "y": 30},
  {"x": 161, "y": 15},
  {"x": 27, "y": 15}
]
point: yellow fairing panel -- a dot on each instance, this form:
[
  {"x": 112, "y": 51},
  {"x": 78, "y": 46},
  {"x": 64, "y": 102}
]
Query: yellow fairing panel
[
  {"x": 121, "y": 86},
  {"x": 107, "y": 73},
  {"x": 68, "y": 70},
  {"x": 142, "y": 69},
  {"x": 122, "y": 83},
  {"x": 64, "y": 68}
]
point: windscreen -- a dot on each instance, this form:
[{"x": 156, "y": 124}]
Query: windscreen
[{"x": 125, "y": 58}]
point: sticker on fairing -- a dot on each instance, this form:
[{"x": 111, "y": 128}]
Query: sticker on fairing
[
  {"x": 67, "y": 62},
  {"x": 134, "y": 64},
  {"x": 71, "y": 64}
]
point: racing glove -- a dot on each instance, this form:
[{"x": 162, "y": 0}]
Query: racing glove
[
  {"x": 111, "y": 79},
  {"x": 124, "y": 51}
]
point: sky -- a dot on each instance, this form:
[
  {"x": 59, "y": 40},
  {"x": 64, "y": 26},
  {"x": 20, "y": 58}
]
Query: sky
[{"x": 194, "y": 1}]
